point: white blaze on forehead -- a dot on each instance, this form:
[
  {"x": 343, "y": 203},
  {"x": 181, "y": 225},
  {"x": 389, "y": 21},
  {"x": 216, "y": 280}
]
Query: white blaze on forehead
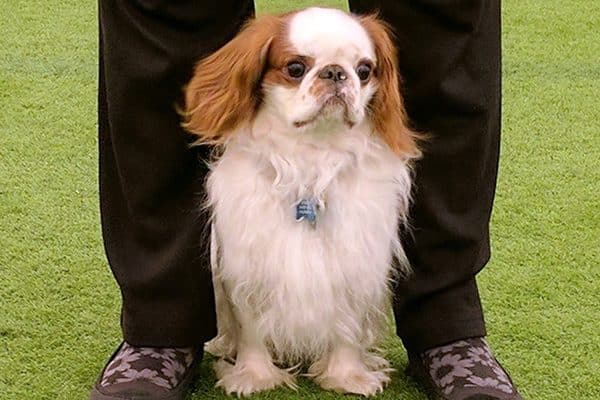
[{"x": 325, "y": 32}]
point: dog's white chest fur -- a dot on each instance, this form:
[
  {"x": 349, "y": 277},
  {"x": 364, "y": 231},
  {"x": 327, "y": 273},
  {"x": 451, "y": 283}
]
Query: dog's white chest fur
[{"x": 304, "y": 288}]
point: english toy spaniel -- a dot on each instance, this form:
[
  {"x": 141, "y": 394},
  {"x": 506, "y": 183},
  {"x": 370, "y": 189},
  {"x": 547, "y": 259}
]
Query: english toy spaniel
[{"x": 307, "y": 197}]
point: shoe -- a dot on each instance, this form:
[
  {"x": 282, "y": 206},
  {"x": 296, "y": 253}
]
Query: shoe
[
  {"x": 147, "y": 373},
  {"x": 462, "y": 370}
]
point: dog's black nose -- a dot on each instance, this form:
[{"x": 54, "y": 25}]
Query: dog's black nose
[{"x": 333, "y": 72}]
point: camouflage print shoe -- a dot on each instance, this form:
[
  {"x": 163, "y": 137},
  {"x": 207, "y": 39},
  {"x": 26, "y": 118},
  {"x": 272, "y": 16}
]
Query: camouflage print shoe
[
  {"x": 147, "y": 373},
  {"x": 462, "y": 370}
]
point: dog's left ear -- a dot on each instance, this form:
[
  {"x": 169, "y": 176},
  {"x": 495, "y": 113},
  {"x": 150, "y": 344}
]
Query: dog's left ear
[
  {"x": 224, "y": 91},
  {"x": 387, "y": 106}
]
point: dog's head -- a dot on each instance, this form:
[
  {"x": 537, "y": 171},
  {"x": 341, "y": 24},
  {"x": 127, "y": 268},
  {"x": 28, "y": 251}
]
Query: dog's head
[{"x": 311, "y": 71}]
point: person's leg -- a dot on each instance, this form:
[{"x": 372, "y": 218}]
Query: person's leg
[
  {"x": 449, "y": 59},
  {"x": 449, "y": 56},
  {"x": 151, "y": 182}
]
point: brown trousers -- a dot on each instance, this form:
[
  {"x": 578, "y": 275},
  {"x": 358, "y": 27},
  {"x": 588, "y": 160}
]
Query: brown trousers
[{"x": 151, "y": 182}]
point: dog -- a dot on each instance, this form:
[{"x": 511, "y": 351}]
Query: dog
[{"x": 307, "y": 195}]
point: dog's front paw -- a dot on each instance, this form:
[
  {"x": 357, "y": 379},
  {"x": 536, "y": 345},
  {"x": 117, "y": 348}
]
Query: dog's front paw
[
  {"x": 251, "y": 377},
  {"x": 359, "y": 381},
  {"x": 348, "y": 371}
]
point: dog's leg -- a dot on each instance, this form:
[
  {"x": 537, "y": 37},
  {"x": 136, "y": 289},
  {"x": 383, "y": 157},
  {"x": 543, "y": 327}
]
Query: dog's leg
[
  {"x": 253, "y": 370},
  {"x": 348, "y": 369},
  {"x": 223, "y": 345}
]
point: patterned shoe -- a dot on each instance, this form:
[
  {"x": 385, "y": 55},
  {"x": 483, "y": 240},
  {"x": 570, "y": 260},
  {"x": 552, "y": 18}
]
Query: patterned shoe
[
  {"x": 462, "y": 370},
  {"x": 147, "y": 373}
]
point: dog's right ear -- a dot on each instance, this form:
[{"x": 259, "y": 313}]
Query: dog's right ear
[{"x": 224, "y": 91}]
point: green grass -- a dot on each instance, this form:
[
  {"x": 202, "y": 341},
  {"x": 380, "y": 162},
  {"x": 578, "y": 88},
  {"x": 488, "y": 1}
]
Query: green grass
[{"x": 59, "y": 304}]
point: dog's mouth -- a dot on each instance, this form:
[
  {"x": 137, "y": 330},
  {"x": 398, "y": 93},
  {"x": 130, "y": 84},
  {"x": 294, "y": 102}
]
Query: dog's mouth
[{"x": 333, "y": 107}]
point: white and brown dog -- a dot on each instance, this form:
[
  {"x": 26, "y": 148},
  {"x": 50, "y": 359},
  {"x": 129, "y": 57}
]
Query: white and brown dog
[{"x": 307, "y": 195}]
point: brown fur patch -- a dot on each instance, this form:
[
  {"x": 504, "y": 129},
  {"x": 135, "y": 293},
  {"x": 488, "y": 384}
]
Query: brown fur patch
[
  {"x": 387, "y": 106},
  {"x": 321, "y": 87},
  {"x": 224, "y": 91},
  {"x": 281, "y": 54}
]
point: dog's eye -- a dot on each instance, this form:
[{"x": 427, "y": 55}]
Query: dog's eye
[
  {"x": 296, "y": 69},
  {"x": 364, "y": 71}
]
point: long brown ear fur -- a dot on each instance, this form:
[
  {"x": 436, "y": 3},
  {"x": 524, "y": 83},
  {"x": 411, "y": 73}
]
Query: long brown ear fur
[
  {"x": 223, "y": 92},
  {"x": 387, "y": 106}
]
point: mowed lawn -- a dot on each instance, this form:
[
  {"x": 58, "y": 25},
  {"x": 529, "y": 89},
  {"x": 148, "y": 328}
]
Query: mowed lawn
[{"x": 59, "y": 305}]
